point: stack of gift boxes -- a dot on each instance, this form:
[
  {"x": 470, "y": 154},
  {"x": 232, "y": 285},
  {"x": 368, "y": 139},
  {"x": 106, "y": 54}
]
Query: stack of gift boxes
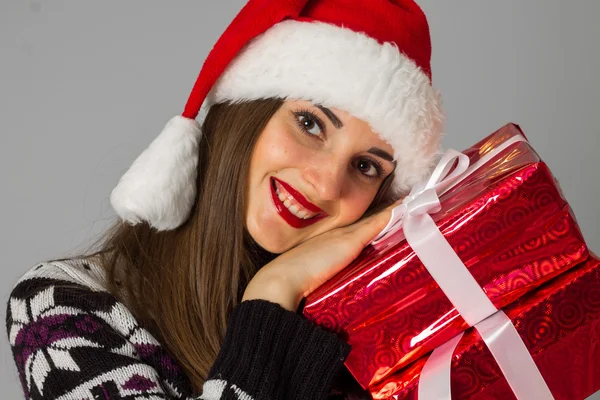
[{"x": 492, "y": 221}]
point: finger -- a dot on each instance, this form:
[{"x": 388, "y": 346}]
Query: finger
[
  {"x": 370, "y": 228},
  {"x": 386, "y": 213},
  {"x": 376, "y": 221}
]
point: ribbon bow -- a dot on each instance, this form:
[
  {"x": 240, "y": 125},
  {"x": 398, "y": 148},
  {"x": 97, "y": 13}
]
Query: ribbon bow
[{"x": 424, "y": 196}]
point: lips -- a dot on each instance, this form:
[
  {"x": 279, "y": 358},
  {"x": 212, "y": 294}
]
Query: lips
[{"x": 298, "y": 201}]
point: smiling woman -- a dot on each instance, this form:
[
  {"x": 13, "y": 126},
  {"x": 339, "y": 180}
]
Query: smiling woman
[
  {"x": 315, "y": 117},
  {"x": 312, "y": 170}
]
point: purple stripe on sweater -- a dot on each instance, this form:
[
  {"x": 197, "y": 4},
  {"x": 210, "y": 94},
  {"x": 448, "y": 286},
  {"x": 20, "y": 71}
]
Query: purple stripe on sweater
[
  {"x": 87, "y": 324},
  {"x": 138, "y": 382},
  {"x": 166, "y": 362},
  {"x": 145, "y": 350},
  {"x": 38, "y": 332}
]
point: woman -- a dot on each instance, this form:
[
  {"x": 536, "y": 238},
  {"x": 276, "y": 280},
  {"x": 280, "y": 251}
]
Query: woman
[{"x": 315, "y": 116}]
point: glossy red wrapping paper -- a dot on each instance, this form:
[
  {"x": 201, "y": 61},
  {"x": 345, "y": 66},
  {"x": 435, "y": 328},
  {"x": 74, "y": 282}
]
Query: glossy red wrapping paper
[
  {"x": 510, "y": 225},
  {"x": 560, "y": 326}
]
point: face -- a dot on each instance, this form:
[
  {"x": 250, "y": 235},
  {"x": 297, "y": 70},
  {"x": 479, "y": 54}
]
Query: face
[{"x": 313, "y": 169}]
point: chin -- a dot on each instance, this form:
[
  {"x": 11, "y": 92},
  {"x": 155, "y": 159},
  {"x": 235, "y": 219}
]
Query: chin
[
  {"x": 262, "y": 234},
  {"x": 272, "y": 246}
]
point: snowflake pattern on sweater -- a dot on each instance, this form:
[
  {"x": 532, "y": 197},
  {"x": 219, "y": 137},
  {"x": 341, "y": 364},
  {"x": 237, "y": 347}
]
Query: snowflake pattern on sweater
[{"x": 71, "y": 339}]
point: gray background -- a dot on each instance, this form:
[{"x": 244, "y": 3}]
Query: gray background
[{"x": 85, "y": 86}]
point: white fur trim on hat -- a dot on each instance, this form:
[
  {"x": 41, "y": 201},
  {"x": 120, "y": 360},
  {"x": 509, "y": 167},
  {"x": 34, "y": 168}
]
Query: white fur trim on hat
[
  {"x": 160, "y": 186},
  {"x": 340, "y": 68}
]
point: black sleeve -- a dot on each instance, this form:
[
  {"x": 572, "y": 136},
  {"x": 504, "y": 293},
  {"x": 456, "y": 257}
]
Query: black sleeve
[{"x": 272, "y": 353}]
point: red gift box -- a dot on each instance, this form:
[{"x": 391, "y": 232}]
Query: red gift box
[
  {"x": 510, "y": 225},
  {"x": 560, "y": 326}
]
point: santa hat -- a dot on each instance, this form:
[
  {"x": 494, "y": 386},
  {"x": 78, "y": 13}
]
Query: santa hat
[{"x": 370, "y": 58}]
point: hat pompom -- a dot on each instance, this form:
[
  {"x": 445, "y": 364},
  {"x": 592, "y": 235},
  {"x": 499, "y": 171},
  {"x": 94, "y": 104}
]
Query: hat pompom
[{"x": 160, "y": 185}]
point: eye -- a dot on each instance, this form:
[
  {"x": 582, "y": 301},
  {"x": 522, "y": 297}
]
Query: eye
[
  {"x": 369, "y": 168},
  {"x": 309, "y": 123}
]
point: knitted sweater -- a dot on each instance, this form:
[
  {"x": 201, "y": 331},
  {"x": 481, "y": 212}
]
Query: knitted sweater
[{"x": 71, "y": 339}]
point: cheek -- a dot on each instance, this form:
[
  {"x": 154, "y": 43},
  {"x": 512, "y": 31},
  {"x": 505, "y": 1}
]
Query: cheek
[
  {"x": 277, "y": 149},
  {"x": 356, "y": 204}
]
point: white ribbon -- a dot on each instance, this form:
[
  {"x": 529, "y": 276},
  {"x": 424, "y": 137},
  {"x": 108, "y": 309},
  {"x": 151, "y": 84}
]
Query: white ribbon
[
  {"x": 507, "y": 348},
  {"x": 434, "y": 382},
  {"x": 457, "y": 283},
  {"x": 428, "y": 243},
  {"x": 440, "y": 182}
]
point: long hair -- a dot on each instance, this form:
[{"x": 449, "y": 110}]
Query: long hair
[{"x": 183, "y": 284}]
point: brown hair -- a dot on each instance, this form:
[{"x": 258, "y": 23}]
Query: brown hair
[{"x": 183, "y": 284}]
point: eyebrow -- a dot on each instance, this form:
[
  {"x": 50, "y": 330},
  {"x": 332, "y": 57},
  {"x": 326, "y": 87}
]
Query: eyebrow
[
  {"x": 338, "y": 124},
  {"x": 381, "y": 153},
  {"x": 332, "y": 117}
]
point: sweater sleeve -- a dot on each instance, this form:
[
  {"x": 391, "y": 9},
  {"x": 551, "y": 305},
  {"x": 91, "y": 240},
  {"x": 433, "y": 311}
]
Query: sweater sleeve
[
  {"x": 70, "y": 339},
  {"x": 273, "y": 353},
  {"x": 71, "y": 342}
]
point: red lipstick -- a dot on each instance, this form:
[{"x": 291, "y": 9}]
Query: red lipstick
[{"x": 286, "y": 214}]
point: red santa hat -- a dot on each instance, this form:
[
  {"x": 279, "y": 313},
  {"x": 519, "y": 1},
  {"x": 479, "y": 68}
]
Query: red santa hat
[{"x": 370, "y": 58}]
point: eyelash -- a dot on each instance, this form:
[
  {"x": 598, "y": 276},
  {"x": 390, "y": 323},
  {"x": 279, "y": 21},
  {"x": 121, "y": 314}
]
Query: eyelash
[
  {"x": 311, "y": 115},
  {"x": 377, "y": 165}
]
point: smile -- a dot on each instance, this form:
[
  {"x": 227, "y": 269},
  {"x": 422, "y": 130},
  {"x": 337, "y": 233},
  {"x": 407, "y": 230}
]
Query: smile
[{"x": 292, "y": 206}]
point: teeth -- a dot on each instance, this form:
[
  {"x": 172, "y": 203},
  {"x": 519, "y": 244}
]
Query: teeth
[
  {"x": 302, "y": 214},
  {"x": 293, "y": 208},
  {"x": 297, "y": 212}
]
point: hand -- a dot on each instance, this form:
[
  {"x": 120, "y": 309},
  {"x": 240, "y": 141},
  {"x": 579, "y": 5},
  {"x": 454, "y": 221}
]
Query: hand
[{"x": 296, "y": 273}]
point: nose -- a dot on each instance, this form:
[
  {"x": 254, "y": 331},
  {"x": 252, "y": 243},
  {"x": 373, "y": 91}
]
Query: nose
[{"x": 326, "y": 177}]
